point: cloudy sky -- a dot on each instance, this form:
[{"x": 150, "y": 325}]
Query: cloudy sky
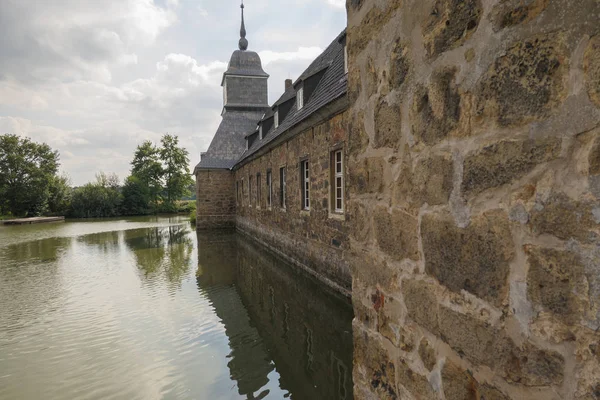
[{"x": 94, "y": 78}]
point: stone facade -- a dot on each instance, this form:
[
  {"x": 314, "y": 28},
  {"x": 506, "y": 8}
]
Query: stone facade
[
  {"x": 474, "y": 198},
  {"x": 316, "y": 239},
  {"x": 215, "y": 199}
]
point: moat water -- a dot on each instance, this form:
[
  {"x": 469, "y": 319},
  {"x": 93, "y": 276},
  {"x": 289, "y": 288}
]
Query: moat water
[{"x": 146, "y": 308}]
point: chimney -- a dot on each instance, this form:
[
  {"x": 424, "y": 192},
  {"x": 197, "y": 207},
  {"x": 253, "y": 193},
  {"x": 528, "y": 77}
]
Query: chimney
[{"x": 288, "y": 84}]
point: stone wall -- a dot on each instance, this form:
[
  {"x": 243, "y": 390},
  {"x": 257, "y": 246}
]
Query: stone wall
[
  {"x": 315, "y": 239},
  {"x": 215, "y": 196},
  {"x": 474, "y": 162}
]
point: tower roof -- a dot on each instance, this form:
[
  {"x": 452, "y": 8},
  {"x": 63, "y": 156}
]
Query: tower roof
[{"x": 244, "y": 62}]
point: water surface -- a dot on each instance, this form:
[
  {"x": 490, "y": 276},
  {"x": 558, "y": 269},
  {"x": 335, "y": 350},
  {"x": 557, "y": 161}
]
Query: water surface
[{"x": 145, "y": 308}]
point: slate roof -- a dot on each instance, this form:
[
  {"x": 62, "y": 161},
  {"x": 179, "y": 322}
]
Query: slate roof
[
  {"x": 245, "y": 63},
  {"x": 228, "y": 143},
  {"x": 332, "y": 86},
  {"x": 228, "y": 147}
]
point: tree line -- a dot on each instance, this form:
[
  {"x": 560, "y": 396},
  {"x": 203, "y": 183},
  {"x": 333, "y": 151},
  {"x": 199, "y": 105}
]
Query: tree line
[{"x": 30, "y": 184}]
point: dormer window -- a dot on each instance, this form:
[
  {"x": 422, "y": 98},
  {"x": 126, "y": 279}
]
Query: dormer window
[
  {"x": 300, "y": 97},
  {"x": 276, "y": 119},
  {"x": 247, "y": 141},
  {"x": 260, "y": 132}
]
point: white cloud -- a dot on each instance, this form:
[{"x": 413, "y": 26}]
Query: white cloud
[
  {"x": 93, "y": 79},
  {"x": 303, "y": 53},
  {"x": 337, "y": 3}
]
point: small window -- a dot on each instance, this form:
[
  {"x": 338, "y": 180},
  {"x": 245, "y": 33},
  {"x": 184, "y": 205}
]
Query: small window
[
  {"x": 225, "y": 92},
  {"x": 247, "y": 143},
  {"x": 305, "y": 181},
  {"x": 237, "y": 192},
  {"x": 258, "y": 191},
  {"x": 300, "y": 97},
  {"x": 242, "y": 194},
  {"x": 269, "y": 189},
  {"x": 260, "y": 132},
  {"x": 276, "y": 118},
  {"x": 249, "y": 191},
  {"x": 337, "y": 177},
  {"x": 282, "y": 187}
]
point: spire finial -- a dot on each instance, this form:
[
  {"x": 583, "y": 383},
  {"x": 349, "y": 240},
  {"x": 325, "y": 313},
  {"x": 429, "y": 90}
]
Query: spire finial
[{"x": 243, "y": 42}]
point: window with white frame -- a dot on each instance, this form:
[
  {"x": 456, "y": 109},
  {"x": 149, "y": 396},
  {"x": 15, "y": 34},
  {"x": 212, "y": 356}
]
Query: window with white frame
[
  {"x": 225, "y": 92},
  {"x": 282, "y": 187},
  {"x": 276, "y": 118},
  {"x": 337, "y": 177},
  {"x": 305, "y": 181},
  {"x": 300, "y": 97},
  {"x": 260, "y": 132},
  {"x": 269, "y": 189}
]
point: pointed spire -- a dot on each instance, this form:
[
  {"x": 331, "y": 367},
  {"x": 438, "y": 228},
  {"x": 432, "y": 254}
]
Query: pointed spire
[{"x": 243, "y": 42}]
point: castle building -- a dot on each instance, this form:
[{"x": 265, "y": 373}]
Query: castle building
[{"x": 277, "y": 173}]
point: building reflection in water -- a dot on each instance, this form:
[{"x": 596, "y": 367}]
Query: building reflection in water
[{"x": 277, "y": 319}]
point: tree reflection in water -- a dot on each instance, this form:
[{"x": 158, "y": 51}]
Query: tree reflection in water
[{"x": 162, "y": 252}]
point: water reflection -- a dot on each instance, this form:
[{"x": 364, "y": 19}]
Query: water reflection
[
  {"x": 276, "y": 319},
  {"x": 162, "y": 251}
]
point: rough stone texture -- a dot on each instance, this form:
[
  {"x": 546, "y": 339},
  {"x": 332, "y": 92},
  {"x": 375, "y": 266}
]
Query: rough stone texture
[
  {"x": 450, "y": 23},
  {"x": 427, "y": 354},
  {"x": 387, "y": 125},
  {"x": 505, "y": 162},
  {"x": 496, "y": 156},
  {"x": 594, "y": 158},
  {"x": 215, "y": 199},
  {"x": 591, "y": 66},
  {"x": 436, "y": 110},
  {"x": 475, "y": 259},
  {"x": 565, "y": 218},
  {"x": 396, "y": 233},
  {"x": 458, "y": 384},
  {"x": 316, "y": 239},
  {"x": 553, "y": 277},
  {"x": 525, "y": 83},
  {"x": 508, "y": 13}
]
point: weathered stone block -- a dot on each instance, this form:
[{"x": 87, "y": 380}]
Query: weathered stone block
[
  {"x": 360, "y": 36},
  {"x": 591, "y": 66},
  {"x": 475, "y": 258},
  {"x": 525, "y": 83},
  {"x": 415, "y": 383},
  {"x": 509, "y": 13},
  {"x": 458, "y": 383},
  {"x": 450, "y": 24},
  {"x": 483, "y": 344},
  {"x": 399, "y": 65},
  {"x": 396, "y": 233},
  {"x": 427, "y": 354},
  {"x": 594, "y": 158},
  {"x": 379, "y": 369},
  {"x": 531, "y": 366},
  {"x": 367, "y": 176},
  {"x": 358, "y": 140},
  {"x": 503, "y": 162},
  {"x": 475, "y": 339},
  {"x": 388, "y": 122},
  {"x": 421, "y": 303},
  {"x": 564, "y": 218},
  {"x": 487, "y": 392},
  {"x": 553, "y": 276},
  {"x": 435, "y": 111},
  {"x": 433, "y": 178}
]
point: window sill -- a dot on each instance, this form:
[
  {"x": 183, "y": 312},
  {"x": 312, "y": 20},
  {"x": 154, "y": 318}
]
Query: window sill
[
  {"x": 305, "y": 213},
  {"x": 337, "y": 216}
]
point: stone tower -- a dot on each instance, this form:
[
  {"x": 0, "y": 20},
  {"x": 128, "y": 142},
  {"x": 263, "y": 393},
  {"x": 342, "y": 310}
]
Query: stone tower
[{"x": 245, "y": 100}]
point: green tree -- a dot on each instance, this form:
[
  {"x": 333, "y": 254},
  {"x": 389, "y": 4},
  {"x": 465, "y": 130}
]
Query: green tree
[
  {"x": 97, "y": 200},
  {"x": 136, "y": 197},
  {"x": 59, "y": 200},
  {"x": 148, "y": 170},
  {"x": 176, "y": 175},
  {"x": 26, "y": 172}
]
